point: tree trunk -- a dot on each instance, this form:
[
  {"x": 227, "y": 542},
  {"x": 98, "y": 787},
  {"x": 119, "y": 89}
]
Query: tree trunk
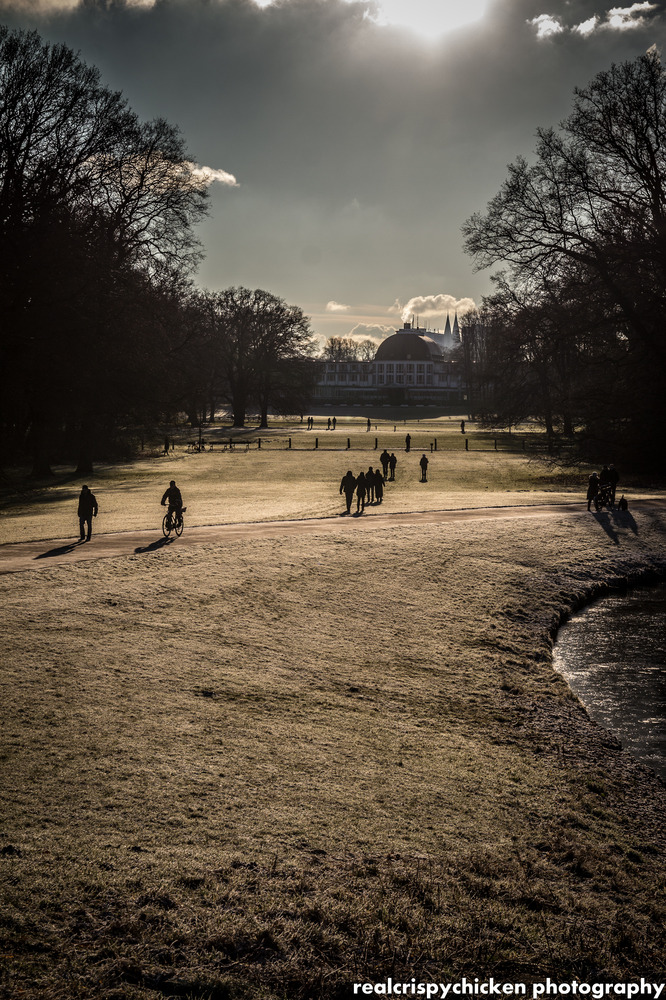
[
  {"x": 239, "y": 405},
  {"x": 85, "y": 466}
]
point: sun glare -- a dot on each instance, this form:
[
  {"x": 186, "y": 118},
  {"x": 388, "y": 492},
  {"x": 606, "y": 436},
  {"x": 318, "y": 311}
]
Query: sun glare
[{"x": 431, "y": 17}]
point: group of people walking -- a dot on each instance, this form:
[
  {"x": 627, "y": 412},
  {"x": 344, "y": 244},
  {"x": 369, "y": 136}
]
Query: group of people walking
[
  {"x": 605, "y": 480},
  {"x": 368, "y": 487}
]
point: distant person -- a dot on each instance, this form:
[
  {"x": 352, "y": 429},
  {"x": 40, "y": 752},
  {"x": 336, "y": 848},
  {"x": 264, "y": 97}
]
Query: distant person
[
  {"x": 408, "y": 442},
  {"x": 592, "y": 489},
  {"x": 605, "y": 476},
  {"x": 385, "y": 458},
  {"x": 87, "y": 510},
  {"x": 166, "y": 445},
  {"x": 334, "y": 422},
  {"x": 329, "y": 424},
  {"x": 173, "y": 496},
  {"x": 462, "y": 426},
  {"x": 393, "y": 461},
  {"x": 379, "y": 486},
  {"x": 423, "y": 462},
  {"x": 347, "y": 486},
  {"x": 360, "y": 493},
  {"x": 614, "y": 480},
  {"x": 368, "y": 425}
]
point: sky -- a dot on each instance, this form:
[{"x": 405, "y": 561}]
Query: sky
[{"x": 346, "y": 141}]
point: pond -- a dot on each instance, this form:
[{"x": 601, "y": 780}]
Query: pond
[{"x": 613, "y": 655}]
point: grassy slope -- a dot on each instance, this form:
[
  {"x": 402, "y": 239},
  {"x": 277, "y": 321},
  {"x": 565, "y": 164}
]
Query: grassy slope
[{"x": 278, "y": 767}]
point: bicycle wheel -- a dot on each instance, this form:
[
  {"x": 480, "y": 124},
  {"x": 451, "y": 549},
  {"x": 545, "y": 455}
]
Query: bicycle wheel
[
  {"x": 179, "y": 525},
  {"x": 166, "y": 525}
]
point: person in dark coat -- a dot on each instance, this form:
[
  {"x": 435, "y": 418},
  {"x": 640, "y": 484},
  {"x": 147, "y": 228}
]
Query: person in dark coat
[
  {"x": 174, "y": 498},
  {"x": 360, "y": 493},
  {"x": 614, "y": 480},
  {"x": 370, "y": 485},
  {"x": 462, "y": 426},
  {"x": 592, "y": 489},
  {"x": 347, "y": 486},
  {"x": 379, "y": 486},
  {"x": 423, "y": 462},
  {"x": 408, "y": 442},
  {"x": 334, "y": 422},
  {"x": 385, "y": 458},
  {"x": 393, "y": 461},
  {"x": 87, "y": 510}
]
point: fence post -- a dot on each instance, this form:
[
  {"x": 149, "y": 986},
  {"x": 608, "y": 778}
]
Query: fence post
[
  {"x": 466, "y": 444},
  {"x": 290, "y": 442},
  {"x": 316, "y": 443},
  {"x": 435, "y": 444},
  {"x": 375, "y": 444},
  {"x": 495, "y": 444},
  {"x": 258, "y": 444},
  {"x": 348, "y": 444}
]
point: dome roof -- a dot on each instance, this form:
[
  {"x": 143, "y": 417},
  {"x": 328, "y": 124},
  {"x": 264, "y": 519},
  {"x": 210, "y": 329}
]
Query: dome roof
[{"x": 408, "y": 346}]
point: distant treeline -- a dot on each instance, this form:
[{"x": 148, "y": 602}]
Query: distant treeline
[
  {"x": 102, "y": 332},
  {"x": 575, "y": 331}
]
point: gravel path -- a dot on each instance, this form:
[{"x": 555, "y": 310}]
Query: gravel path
[{"x": 20, "y": 556}]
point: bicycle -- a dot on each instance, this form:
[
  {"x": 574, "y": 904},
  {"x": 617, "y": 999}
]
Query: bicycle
[
  {"x": 604, "y": 497},
  {"x": 173, "y": 521}
]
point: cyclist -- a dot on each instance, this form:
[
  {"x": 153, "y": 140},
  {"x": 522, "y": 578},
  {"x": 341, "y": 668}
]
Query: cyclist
[{"x": 173, "y": 495}]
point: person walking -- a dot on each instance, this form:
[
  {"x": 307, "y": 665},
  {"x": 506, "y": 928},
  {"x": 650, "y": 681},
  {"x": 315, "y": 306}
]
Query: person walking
[
  {"x": 592, "y": 489},
  {"x": 370, "y": 485},
  {"x": 379, "y": 486},
  {"x": 360, "y": 493},
  {"x": 334, "y": 422},
  {"x": 88, "y": 509},
  {"x": 408, "y": 442},
  {"x": 367, "y": 427},
  {"x": 462, "y": 426},
  {"x": 423, "y": 462},
  {"x": 347, "y": 486},
  {"x": 393, "y": 461},
  {"x": 384, "y": 458},
  {"x": 329, "y": 424}
]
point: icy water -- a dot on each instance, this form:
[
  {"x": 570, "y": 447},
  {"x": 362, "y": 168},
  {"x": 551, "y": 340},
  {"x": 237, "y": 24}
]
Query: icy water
[{"x": 613, "y": 654}]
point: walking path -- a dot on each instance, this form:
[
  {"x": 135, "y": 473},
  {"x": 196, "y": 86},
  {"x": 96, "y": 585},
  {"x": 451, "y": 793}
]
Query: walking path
[{"x": 20, "y": 556}]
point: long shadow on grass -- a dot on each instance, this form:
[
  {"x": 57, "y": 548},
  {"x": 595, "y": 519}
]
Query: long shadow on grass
[
  {"x": 154, "y": 546},
  {"x": 604, "y": 520},
  {"x": 626, "y": 519},
  {"x": 62, "y": 550}
]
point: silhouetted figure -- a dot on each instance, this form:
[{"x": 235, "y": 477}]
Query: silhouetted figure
[
  {"x": 347, "y": 486},
  {"x": 174, "y": 499},
  {"x": 614, "y": 480},
  {"x": 367, "y": 428},
  {"x": 423, "y": 462},
  {"x": 462, "y": 426},
  {"x": 622, "y": 504},
  {"x": 379, "y": 486},
  {"x": 384, "y": 458},
  {"x": 87, "y": 510},
  {"x": 370, "y": 485},
  {"x": 334, "y": 423},
  {"x": 329, "y": 424},
  {"x": 604, "y": 476},
  {"x": 360, "y": 493},
  {"x": 393, "y": 461},
  {"x": 408, "y": 442},
  {"x": 592, "y": 489},
  {"x": 166, "y": 445}
]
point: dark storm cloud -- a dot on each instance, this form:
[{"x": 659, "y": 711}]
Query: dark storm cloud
[{"x": 359, "y": 150}]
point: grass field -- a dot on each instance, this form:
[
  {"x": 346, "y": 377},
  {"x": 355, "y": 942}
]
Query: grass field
[{"x": 277, "y": 767}]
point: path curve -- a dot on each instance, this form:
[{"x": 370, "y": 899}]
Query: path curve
[{"x": 16, "y": 557}]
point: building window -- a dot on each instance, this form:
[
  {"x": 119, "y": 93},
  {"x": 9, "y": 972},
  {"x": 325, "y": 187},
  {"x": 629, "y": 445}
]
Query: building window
[
  {"x": 389, "y": 369},
  {"x": 410, "y": 379},
  {"x": 400, "y": 379},
  {"x": 380, "y": 379},
  {"x": 420, "y": 368},
  {"x": 420, "y": 379},
  {"x": 400, "y": 368}
]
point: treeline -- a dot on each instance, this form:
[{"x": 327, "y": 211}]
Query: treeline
[
  {"x": 574, "y": 334},
  {"x": 101, "y": 329}
]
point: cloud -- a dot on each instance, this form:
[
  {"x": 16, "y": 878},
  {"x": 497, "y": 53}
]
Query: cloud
[
  {"x": 209, "y": 175},
  {"x": 586, "y": 28},
  {"x": 546, "y": 25},
  {"x": 336, "y": 307},
  {"x": 623, "y": 18},
  {"x": 430, "y": 306},
  {"x": 368, "y": 331}
]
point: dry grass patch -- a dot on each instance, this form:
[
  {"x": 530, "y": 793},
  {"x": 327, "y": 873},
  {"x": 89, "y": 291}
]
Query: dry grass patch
[{"x": 277, "y": 767}]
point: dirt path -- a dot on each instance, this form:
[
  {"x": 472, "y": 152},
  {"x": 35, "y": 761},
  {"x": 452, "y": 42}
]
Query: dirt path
[{"x": 20, "y": 556}]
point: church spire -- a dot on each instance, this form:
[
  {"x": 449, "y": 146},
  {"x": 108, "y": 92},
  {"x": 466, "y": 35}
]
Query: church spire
[{"x": 456, "y": 329}]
